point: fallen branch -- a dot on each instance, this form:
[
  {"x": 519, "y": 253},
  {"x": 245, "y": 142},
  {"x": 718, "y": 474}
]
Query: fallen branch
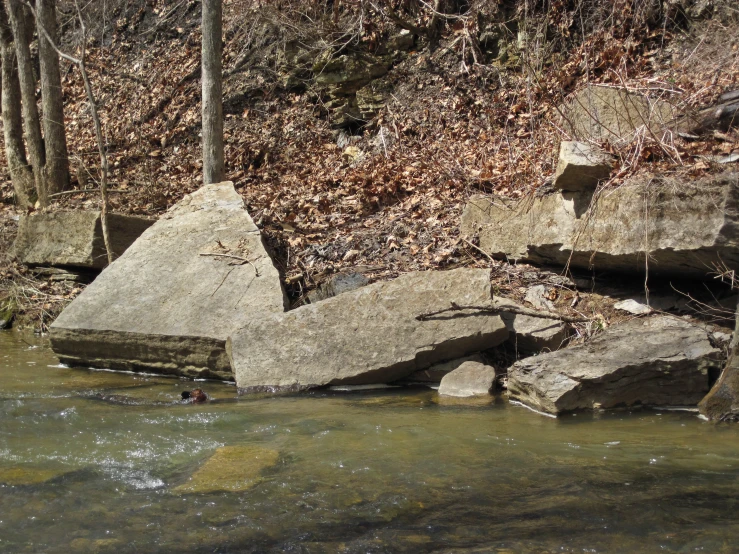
[
  {"x": 239, "y": 258},
  {"x": 80, "y": 191},
  {"x": 504, "y": 308}
]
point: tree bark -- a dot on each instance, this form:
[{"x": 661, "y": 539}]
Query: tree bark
[
  {"x": 22, "y": 39},
  {"x": 212, "y": 101},
  {"x": 722, "y": 401},
  {"x": 15, "y": 151},
  {"x": 56, "y": 170}
]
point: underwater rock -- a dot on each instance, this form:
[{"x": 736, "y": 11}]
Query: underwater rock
[
  {"x": 231, "y": 468},
  {"x": 21, "y": 475}
]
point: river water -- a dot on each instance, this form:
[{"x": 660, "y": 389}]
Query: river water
[{"x": 96, "y": 461}]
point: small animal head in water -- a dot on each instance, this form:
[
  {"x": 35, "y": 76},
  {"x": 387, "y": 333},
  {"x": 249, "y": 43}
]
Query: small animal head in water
[{"x": 195, "y": 396}]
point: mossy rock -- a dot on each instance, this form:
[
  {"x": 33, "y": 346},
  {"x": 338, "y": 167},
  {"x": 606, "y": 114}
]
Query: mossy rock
[
  {"x": 24, "y": 475},
  {"x": 232, "y": 469}
]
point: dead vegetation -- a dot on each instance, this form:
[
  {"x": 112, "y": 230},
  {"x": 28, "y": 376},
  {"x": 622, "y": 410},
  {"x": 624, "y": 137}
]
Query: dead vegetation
[{"x": 473, "y": 106}]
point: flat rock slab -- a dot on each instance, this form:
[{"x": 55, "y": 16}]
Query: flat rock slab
[
  {"x": 469, "y": 379},
  {"x": 75, "y": 238},
  {"x": 231, "y": 469},
  {"x": 657, "y": 361},
  {"x": 687, "y": 227},
  {"x": 603, "y": 113},
  {"x": 169, "y": 303},
  {"x": 369, "y": 335}
]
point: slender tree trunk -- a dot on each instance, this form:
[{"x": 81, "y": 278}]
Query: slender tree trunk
[
  {"x": 56, "y": 170},
  {"x": 22, "y": 39},
  {"x": 213, "y": 162},
  {"x": 15, "y": 152}
]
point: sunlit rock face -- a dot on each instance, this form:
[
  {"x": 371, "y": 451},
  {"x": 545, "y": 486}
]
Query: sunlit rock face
[
  {"x": 660, "y": 361},
  {"x": 168, "y": 304},
  {"x": 662, "y": 226},
  {"x": 370, "y": 335}
]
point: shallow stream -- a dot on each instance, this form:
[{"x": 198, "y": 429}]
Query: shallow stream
[{"x": 95, "y": 461}]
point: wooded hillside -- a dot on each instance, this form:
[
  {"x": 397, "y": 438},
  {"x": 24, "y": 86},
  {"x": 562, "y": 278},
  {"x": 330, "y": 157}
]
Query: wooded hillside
[{"x": 355, "y": 130}]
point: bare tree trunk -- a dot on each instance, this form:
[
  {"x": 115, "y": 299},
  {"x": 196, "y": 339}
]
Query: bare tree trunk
[
  {"x": 56, "y": 170},
  {"x": 80, "y": 63},
  {"x": 22, "y": 39},
  {"x": 15, "y": 152},
  {"x": 213, "y": 162}
]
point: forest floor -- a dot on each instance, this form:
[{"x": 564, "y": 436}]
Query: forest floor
[{"x": 453, "y": 128}]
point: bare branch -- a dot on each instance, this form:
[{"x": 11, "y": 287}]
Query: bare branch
[{"x": 498, "y": 308}]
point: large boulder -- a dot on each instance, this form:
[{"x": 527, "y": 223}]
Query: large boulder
[
  {"x": 370, "y": 335},
  {"x": 169, "y": 303},
  {"x": 74, "y": 239},
  {"x": 657, "y": 361},
  {"x": 687, "y": 228}
]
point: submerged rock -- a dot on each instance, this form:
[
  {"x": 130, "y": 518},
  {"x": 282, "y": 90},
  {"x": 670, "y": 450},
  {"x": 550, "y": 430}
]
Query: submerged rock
[
  {"x": 169, "y": 303},
  {"x": 232, "y": 469},
  {"x": 370, "y": 335},
  {"x": 74, "y": 239},
  {"x": 686, "y": 227},
  {"x": 469, "y": 379},
  {"x": 656, "y": 361},
  {"x": 22, "y": 475}
]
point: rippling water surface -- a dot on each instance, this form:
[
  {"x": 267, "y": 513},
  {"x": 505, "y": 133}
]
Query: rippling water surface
[{"x": 389, "y": 471}]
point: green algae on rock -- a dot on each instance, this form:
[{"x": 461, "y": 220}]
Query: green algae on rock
[
  {"x": 23, "y": 475},
  {"x": 231, "y": 468}
]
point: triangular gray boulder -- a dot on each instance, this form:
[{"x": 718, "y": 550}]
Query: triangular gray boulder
[{"x": 169, "y": 303}]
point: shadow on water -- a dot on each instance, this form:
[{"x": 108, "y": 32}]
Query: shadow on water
[{"x": 104, "y": 462}]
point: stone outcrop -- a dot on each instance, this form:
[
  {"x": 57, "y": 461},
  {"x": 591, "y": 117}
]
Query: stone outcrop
[
  {"x": 370, "y": 335},
  {"x": 580, "y": 167},
  {"x": 74, "y": 238},
  {"x": 171, "y": 300},
  {"x": 686, "y": 227},
  {"x": 469, "y": 379},
  {"x": 656, "y": 361},
  {"x": 611, "y": 114}
]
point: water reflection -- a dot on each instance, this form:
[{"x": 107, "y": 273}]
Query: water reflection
[{"x": 380, "y": 471}]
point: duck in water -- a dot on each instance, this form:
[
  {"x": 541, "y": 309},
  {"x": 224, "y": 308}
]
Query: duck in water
[{"x": 195, "y": 396}]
